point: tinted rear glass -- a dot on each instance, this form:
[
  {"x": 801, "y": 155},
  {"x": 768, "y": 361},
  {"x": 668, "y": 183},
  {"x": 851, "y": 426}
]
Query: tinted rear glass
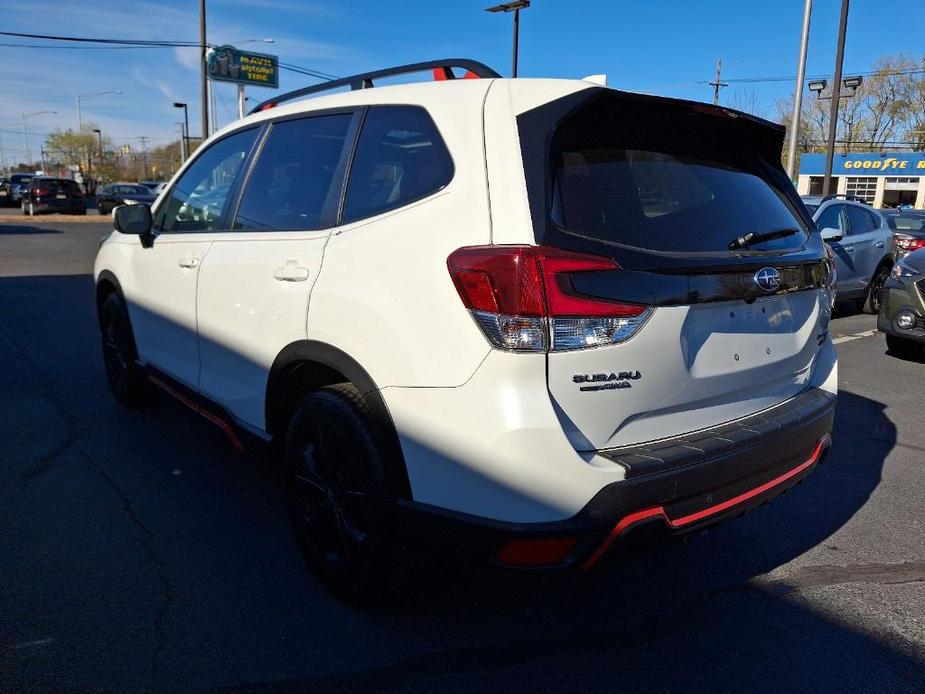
[
  {"x": 653, "y": 181},
  {"x": 907, "y": 223},
  {"x": 21, "y": 178}
]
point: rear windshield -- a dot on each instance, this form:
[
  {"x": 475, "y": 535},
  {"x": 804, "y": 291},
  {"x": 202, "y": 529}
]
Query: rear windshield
[
  {"x": 906, "y": 223},
  {"x": 662, "y": 181},
  {"x": 21, "y": 178},
  {"x": 62, "y": 184}
]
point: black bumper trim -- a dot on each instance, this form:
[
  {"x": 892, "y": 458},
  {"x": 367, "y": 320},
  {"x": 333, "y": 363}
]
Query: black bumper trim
[
  {"x": 677, "y": 452},
  {"x": 697, "y": 493}
]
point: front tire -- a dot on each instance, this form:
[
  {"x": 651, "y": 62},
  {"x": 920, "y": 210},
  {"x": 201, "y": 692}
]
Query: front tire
[
  {"x": 120, "y": 358},
  {"x": 872, "y": 300},
  {"x": 336, "y": 460}
]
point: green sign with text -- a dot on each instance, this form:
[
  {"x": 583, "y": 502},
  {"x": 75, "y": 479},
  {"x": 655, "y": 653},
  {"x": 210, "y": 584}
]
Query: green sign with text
[{"x": 228, "y": 64}]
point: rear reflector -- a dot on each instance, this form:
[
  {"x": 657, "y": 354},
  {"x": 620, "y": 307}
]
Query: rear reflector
[
  {"x": 546, "y": 551},
  {"x": 523, "y": 298}
]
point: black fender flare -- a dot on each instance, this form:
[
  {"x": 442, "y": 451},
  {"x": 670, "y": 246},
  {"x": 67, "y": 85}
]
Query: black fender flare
[{"x": 338, "y": 360}]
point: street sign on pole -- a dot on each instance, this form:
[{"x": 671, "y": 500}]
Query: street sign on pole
[{"x": 228, "y": 64}]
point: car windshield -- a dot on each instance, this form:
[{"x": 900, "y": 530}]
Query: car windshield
[
  {"x": 130, "y": 190},
  {"x": 21, "y": 178}
]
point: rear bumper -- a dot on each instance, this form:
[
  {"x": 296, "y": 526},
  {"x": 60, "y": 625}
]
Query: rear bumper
[
  {"x": 680, "y": 498},
  {"x": 60, "y": 206}
]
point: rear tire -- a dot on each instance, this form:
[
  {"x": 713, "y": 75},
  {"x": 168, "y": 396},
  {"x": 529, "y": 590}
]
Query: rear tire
[
  {"x": 120, "y": 357},
  {"x": 336, "y": 460},
  {"x": 872, "y": 300},
  {"x": 902, "y": 347}
]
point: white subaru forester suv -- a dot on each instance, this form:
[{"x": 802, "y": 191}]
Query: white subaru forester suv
[{"x": 510, "y": 318}]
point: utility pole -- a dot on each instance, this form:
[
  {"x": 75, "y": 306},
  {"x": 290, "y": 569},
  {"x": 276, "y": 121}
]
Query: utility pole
[
  {"x": 798, "y": 92},
  {"x": 2, "y": 155},
  {"x": 80, "y": 124},
  {"x": 144, "y": 155},
  {"x": 717, "y": 85},
  {"x": 203, "y": 79},
  {"x": 836, "y": 88},
  {"x": 43, "y": 158}
]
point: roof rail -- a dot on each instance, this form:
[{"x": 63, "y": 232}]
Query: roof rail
[
  {"x": 442, "y": 70},
  {"x": 853, "y": 198}
]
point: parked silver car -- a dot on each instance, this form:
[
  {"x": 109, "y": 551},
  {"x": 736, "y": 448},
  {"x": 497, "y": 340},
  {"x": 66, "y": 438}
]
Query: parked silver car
[{"x": 863, "y": 245}]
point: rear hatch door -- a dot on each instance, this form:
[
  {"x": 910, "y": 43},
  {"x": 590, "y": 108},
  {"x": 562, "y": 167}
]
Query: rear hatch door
[{"x": 671, "y": 191}]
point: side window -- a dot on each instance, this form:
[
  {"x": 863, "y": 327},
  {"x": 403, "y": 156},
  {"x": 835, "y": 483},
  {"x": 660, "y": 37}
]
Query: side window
[
  {"x": 874, "y": 220},
  {"x": 400, "y": 158},
  {"x": 859, "y": 220},
  {"x": 831, "y": 218},
  {"x": 197, "y": 201},
  {"x": 297, "y": 180}
]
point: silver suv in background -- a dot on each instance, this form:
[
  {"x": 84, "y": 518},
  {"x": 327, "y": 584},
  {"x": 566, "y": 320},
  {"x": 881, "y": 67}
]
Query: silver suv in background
[{"x": 863, "y": 246}]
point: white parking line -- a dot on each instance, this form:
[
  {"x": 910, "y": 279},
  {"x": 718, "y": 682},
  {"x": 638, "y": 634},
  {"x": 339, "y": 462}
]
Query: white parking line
[{"x": 855, "y": 336}]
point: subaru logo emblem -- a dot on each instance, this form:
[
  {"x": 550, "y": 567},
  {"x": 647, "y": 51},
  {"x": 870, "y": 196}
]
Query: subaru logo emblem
[{"x": 768, "y": 279}]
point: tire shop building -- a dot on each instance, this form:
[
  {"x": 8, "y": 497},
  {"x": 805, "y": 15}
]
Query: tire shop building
[{"x": 879, "y": 179}]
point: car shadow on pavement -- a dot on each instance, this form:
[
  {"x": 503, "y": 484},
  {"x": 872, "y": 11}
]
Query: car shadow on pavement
[
  {"x": 182, "y": 574},
  {"x": 10, "y": 229}
]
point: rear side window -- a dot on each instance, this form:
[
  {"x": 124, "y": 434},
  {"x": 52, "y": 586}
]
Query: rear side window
[
  {"x": 297, "y": 180},
  {"x": 400, "y": 158},
  {"x": 660, "y": 180},
  {"x": 198, "y": 199},
  {"x": 859, "y": 219}
]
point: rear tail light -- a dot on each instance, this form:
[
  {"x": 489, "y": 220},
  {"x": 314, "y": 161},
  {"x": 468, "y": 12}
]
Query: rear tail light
[
  {"x": 523, "y": 299},
  {"x": 40, "y": 191},
  {"x": 909, "y": 243}
]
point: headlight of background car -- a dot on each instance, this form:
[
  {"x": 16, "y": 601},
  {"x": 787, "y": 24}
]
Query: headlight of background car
[
  {"x": 901, "y": 270},
  {"x": 129, "y": 202}
]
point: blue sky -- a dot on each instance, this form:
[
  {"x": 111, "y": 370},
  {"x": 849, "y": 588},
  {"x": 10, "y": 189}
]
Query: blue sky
[{"x": 662, "y": 47}]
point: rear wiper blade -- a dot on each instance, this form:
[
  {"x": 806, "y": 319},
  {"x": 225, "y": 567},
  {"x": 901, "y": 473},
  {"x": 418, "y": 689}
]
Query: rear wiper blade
[{"x": 753, "y": 237}]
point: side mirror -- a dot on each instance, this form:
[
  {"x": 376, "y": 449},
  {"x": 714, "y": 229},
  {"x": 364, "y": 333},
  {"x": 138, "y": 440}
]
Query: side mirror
[
  {"x": 135, "y": 220},
  {"x": 831, "y": 234}
]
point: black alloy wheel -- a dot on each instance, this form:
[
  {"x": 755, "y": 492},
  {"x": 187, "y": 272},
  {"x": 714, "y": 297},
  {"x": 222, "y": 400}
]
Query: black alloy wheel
[
  {"x": 873, "y": 299},
  {"x": 337, "y": 487},
  {"x": 126, "y": 378}
]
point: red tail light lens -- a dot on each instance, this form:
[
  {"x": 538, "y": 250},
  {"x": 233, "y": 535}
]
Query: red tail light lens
[
  {"x": 40, "y": 191},
  {"x": 523, "y": 298},
  {"x": 909, "y": 243}
]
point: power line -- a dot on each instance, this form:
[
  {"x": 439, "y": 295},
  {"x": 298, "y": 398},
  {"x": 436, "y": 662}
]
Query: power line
[{"x": 122, "y": 42}]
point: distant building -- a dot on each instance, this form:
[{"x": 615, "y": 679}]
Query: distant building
[{"x": 881, "y": 180}]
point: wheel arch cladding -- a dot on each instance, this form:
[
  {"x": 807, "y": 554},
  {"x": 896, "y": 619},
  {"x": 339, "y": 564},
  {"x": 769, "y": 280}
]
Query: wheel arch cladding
[{"x": 307, "y": 365}]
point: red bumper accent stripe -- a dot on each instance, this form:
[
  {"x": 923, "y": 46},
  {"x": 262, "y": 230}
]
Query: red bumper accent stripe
[
  {"x": 217, "y": 421},
  {"x": 659, "y": 511}
]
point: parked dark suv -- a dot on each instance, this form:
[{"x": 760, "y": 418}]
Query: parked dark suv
[
  {"x": 19, "y": 183},
  {"x": 47, "y": 194}
]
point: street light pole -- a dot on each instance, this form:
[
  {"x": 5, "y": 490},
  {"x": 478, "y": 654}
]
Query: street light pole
[
  {"x": 798, "y": 92},
  {"x": 80, "y": 125},
  {"x": 185, "y": 141},
  {"x": 203, "y": 81},
  {"x": 833, "y": 111},
  {"x": 514, "y": 7},
  {"x": 25, "y": 139}
]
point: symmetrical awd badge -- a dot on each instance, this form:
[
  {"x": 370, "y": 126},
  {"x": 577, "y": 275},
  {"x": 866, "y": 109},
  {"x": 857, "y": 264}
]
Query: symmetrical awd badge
[{"x": 611, "y": 381}]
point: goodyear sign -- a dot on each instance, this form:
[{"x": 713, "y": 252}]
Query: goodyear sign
[
  {"x": 870, "y": 164},
  {"x": 228, "y": 64}
]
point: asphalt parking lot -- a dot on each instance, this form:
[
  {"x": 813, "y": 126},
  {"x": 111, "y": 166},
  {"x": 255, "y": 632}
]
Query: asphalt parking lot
[{"x": 139, "y": 552}]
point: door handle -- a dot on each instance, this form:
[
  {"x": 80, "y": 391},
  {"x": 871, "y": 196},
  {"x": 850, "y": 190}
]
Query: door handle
[
  {"x": 849, "y": 249},
  {"x": 879, "y": 244},
  {"x": 189, "y": 261},
  {"x": 291, "y": 272}
]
